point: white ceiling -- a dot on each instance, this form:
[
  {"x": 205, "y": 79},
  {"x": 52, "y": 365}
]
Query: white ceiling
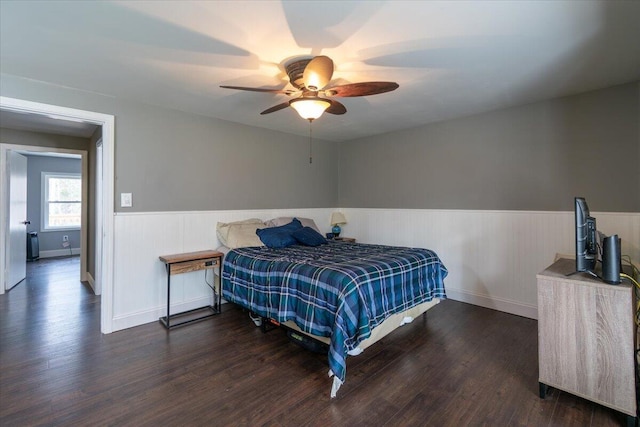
[{"x": 451, "y": 59}]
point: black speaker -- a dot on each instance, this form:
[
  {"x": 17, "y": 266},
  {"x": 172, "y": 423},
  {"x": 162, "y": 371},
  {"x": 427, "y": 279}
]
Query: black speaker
[{"x": 611, "y": 259}]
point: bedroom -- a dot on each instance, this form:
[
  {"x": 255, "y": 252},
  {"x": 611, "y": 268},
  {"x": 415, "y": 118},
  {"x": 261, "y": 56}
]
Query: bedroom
[{"x": 491, "y": 181}]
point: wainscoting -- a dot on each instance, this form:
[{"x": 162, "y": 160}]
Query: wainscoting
[
  {"x": 140, "y": 281},
  {"x": 492, "y": 256}
]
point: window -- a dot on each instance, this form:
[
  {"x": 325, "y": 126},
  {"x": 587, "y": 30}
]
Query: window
[{"x": 61, "y": 201}]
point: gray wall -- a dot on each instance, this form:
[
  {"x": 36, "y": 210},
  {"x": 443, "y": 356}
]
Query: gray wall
[
  {"x": 173, "y": 161},
  {"x": 534, "y": 157},
  {"x": 49, "y": 240}
]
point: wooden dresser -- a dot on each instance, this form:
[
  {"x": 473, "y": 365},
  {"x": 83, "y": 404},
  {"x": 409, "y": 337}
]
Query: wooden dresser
[{"x": 586, "y": 337}]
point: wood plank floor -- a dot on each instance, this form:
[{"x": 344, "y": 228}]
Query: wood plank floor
[{"x": 460, "y": 365}]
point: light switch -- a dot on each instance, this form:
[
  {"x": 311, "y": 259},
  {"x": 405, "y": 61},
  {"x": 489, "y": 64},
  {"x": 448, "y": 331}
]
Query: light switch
[{"x": 125, "y": 200}]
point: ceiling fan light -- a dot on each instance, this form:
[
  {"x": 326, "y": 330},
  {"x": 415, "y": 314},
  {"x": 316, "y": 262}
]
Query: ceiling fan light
[
  {"x": 310, "y": 108},
  {"x": 318, "y": 72},
  {"x": 313, "y": 81}
]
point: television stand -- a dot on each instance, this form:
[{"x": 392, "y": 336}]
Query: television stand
[{"x": 586, "y": 339}]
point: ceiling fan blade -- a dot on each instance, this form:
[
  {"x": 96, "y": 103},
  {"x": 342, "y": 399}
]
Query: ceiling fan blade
[
  {"x": 317, "y": 74},
  {"x": 275, "y": 108},
  {"x": 258, "y": 89},
  {"x": 361, "y": 89},
  {"x": 335, "y": 107}
]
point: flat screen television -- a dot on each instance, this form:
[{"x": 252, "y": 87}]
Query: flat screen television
[{"x": 586, "y": 237}]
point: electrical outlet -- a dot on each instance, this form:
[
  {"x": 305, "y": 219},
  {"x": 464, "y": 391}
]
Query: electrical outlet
[{"x": 65, "y": 238}]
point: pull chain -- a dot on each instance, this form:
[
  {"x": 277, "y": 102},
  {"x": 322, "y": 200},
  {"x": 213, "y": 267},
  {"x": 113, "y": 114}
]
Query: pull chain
[{"x": 310, "y": 144}]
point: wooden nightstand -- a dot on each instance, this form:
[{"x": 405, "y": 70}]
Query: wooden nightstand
[
  {"x": 185, "y": 263},
  {"x": 345, "y": 239}
]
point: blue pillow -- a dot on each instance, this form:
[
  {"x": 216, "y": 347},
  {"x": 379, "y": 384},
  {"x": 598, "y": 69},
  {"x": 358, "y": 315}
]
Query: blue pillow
[
  {"x": 279, "y": 237},
  {"x": 294, "y": 225},
  {"x": 309, "y": 237},
  {"x": 275, "y": 239}
]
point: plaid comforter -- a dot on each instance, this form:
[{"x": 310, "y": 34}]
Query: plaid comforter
[{"x": 340, "y": 290}]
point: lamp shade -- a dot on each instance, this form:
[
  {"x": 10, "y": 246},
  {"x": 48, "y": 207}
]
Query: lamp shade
[
  {"x": 337, "y": 218},
  {"x": 309, "y": 108}
]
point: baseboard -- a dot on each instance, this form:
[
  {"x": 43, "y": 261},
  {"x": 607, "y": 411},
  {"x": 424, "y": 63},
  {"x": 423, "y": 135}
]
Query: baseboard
[
  {"x": 59, "y": 252},
  {"x": 486, "y": 301},
  {"x": 91, "y": 282},
  {"x": 152, "y": 315}
]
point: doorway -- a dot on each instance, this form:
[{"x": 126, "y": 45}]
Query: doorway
[
  {"x": 33, "y": 221},
  {"x": 107, "y": 122}
]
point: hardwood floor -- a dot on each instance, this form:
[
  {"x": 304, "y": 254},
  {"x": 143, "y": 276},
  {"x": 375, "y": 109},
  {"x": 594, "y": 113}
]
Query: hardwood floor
[{"x": 460, "y": 365}]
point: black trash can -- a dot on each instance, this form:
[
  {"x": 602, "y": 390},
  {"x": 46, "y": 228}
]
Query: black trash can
[{"x": 33, "y": 247}]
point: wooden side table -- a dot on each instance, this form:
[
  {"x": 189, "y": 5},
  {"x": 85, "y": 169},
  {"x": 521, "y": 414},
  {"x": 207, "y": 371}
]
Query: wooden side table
[
  {"x": 345, "y": 239},
  {"x": 185, "y": 263}
]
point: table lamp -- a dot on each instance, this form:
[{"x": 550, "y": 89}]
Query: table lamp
[{"x": 337, "y": 219}]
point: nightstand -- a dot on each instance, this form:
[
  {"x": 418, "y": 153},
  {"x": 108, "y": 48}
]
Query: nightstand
[{"x": 345, "y": 239}]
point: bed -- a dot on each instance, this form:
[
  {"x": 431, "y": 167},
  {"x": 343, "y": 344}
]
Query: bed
[{"x": 347, "y": 294}]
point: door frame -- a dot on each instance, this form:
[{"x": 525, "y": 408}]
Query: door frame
[
  {"x": 97, "y": 285},
  {"x": 84, "y": 162},
  {"x": 108, "y": 172}
]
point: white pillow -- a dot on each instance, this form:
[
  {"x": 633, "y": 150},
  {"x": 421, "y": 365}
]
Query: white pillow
[
  {"x": 284, "y": 220},
  {"x": 240, "y": 234}
]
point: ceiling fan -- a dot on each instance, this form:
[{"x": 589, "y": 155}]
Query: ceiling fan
[{"x": 310, "y": 77}]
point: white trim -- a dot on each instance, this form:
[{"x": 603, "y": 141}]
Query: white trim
[
  {"x": 484, "y": 211},
  {"x": 91, "y": 281},
  {"x": 97, "y": 284},
  {"x": 84, "y": 226},
  {"x": 500, "y": 304},
  {"x": 264, "y": 214},
  {"x": 152, "y": 315},
  {"x": 53, "y": 253},
  {"x": 108, "y": 140}
]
